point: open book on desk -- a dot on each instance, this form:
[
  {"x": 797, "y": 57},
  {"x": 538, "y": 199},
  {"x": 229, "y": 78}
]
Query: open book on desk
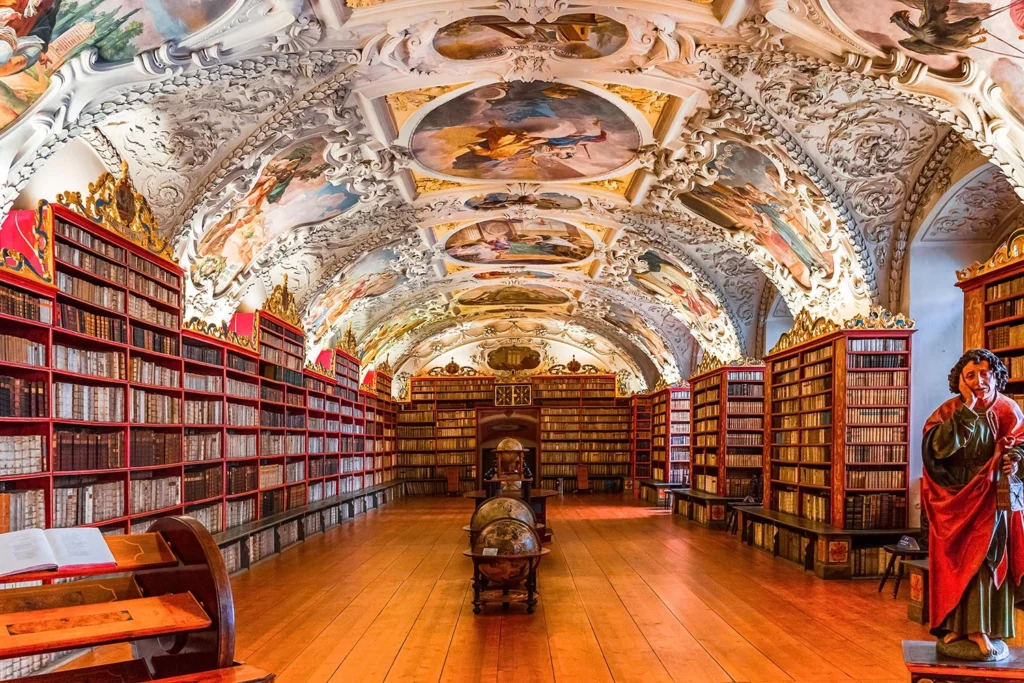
[{"x": 38, "y": 550}]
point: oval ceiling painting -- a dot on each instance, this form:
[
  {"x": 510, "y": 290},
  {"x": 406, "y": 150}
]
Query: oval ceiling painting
[
  {"x": 575, "y": 36},
  {"x": 533, "y": 131},
  {"x": 536, "y": 241},
  {"x": 749, "y": 195},
  {"x": 498, "y": 295}
]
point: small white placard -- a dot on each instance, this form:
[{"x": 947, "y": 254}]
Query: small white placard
[{"x": 490, "y": 551}]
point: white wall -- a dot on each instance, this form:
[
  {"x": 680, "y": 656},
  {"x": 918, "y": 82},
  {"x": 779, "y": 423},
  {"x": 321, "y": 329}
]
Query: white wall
[{"x": 937, "y": 304}]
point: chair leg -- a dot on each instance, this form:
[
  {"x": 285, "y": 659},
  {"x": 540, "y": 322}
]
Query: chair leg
[
  {"x": 888, "y": 572},
  {"x": 899, "y": 578}
]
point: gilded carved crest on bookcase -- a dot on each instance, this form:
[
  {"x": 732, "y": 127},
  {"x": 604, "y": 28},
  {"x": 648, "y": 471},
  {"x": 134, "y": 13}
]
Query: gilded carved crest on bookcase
[
  {"x": 574, "y": 367},
  {"x": 347, "y": 344},
  {"x": 452, "y": 369},
  {"x": 805, "y": 328},
  {"x": 384, "y": 368},
  {"x": 114, "y": 204},
  {"x": 1010, "y": 251},
  {"x": 879, "y": 318},
  {"x": 221, "y": 332},
  {"x": 281, "y": 304},
  {"x": 320, "y": 369},
  {"x": 709, "y": 362}
]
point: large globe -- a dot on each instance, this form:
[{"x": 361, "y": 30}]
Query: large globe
[
  {"x": 512, "y": 539},
  {"x": 500, "y": 507}
]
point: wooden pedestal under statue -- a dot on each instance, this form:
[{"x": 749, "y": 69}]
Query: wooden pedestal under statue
[{"x": 927, "y": 665}]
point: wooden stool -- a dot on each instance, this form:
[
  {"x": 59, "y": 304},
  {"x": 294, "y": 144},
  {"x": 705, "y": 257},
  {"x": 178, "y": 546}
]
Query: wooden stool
[{"x": 896, "y": 552}]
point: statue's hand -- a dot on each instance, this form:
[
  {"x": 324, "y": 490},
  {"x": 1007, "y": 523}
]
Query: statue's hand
[
  {"x": 1009, "y": 466},
  {"x": 966, "y": 394}
]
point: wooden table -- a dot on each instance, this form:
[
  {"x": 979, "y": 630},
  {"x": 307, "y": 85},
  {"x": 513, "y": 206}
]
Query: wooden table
[
  {"x": 655, "y": 492},
  {"x": 538, "y": 501},
  {"x": 917, "y": 607}
]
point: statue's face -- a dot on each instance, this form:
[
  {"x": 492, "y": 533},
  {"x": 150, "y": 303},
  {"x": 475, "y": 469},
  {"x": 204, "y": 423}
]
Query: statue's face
[{"x": 981, "y": 380}]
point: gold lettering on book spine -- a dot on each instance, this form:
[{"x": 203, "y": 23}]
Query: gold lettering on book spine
[{"x": 114, "y": 204}]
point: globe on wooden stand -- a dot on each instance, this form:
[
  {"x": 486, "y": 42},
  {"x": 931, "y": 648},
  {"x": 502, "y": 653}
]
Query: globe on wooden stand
[
  {"x": 510, "y": 473},
  {"x": 505, "y": 557},
  {"x": 500, "y": 507}
]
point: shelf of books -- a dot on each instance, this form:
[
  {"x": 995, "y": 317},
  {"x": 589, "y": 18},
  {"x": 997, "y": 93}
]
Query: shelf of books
[
  {"x": 438, "y": 431},
  {"x": 582, "y": 423},
  {"x": 837, "y": 448},
  {"x": 642, "y": 435},
  {"x": 994, "y": 309},
  {"x": 670, "y": 444}
]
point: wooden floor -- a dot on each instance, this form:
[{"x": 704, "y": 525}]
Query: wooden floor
[{"x": 629, "y": 593}]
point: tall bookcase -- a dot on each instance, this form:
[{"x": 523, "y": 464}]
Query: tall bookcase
[
  {"x": 838, "y": 427},
  {"x": 642, "y": 405},
  {"x": 728, "y": 429},
  {"x": 994, "y": 308}
]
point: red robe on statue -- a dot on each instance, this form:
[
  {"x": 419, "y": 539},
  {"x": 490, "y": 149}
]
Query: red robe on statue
[{"x": 961, "y": 518}]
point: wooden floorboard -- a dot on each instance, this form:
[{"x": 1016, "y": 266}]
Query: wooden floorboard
[{"x": 628, "y": 593}]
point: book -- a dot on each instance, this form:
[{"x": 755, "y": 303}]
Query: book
[{"x": 37, "y": 550}]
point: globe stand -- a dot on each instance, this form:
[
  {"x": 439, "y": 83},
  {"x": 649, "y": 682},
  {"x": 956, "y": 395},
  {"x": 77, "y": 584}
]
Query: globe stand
[{"x": 482, "y": 595}]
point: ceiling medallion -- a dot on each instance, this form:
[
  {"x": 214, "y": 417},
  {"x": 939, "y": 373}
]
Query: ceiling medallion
[
  {"x": 114, "y": 204},
  {"x": 804, "y": 329},
  {"x": 1010, "y": 251},
  {"x": 221, "y": 332},
  {"x": 281, "y": 304},
  {"x": 879, "y": 318}
]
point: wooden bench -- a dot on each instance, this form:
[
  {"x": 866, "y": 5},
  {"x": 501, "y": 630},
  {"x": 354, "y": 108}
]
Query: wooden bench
[
  {"x": 817, "y": 547},
  {"x": 373, "y": 497},
  {"x": 706, "y": 509},
  {"x": 655, "y": 492},
  {"x": 169, "y": 596}
]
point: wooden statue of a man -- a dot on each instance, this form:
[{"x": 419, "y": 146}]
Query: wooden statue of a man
[{"x": 970, "y": 454}]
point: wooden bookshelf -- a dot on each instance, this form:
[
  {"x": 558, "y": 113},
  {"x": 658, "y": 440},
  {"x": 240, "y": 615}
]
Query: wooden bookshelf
[
  {"x": 727, "y": 429},
  {"x": 994, "y": 308},
  {"x": 836, "y": 454},
  {"x": 641, "y": 406}
]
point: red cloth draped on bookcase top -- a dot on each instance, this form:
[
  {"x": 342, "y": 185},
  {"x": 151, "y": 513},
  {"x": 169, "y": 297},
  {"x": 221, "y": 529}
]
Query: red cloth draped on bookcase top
[{"x": 960, "y": 528}]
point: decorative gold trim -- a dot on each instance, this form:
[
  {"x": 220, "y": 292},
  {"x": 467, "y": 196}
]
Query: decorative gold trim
[
  {"x": 427, "y": 185},
  {"x": 281, "y": 304},
  {"x": 320, "y": 370},
  {"x": 384, "y": 367},
  {"x": 219, "y": 332},
  {"x": 1009, "y": 252},
  {"x": 648, "y": 102},
  {"x": 348, "y": 343},
  {"x": 709, "y": 362},
  {"x": 114, "y": 204},
  {"x": 452, "y": 369},
  {"x": 879, "y": 318},
  {"x": 361, "y": 4},
  {"x": 804, "y": 329},
  {"x": 574, "y": 367}
]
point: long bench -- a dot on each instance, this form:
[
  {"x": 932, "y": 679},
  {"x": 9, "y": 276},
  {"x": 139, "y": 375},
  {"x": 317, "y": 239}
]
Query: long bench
[
  {"x": 655, "y": 492},
  {"x": 826, "y": 551},
  {"x": 310, "y": 519},
  {"x": 706, "y": 509}
]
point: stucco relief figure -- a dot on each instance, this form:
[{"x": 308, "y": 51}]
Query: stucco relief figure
[{"x": 972, "y": 497}]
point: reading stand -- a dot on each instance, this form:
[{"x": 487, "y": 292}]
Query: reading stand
[{"x": 169, "y": 596}]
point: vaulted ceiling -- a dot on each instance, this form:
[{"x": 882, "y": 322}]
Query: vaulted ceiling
[{"x": 631, "y": 183}]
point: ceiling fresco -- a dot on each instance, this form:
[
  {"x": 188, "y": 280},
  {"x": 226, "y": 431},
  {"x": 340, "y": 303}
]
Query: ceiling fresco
[{"x": 524, "y": 182}]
